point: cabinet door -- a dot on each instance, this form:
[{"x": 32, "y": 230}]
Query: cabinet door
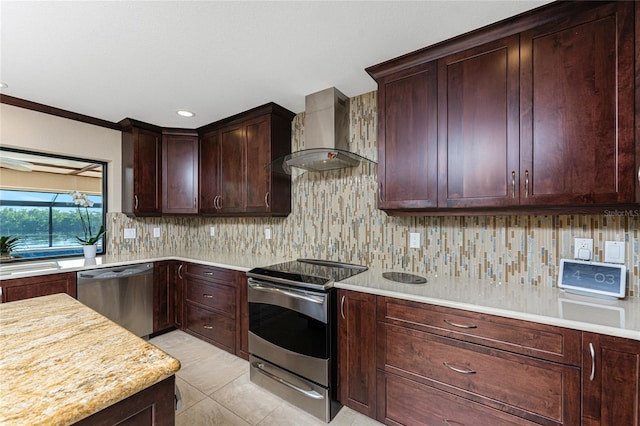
[
  {"x": 177, "y": 275},
  {"x": 209, "y": 171},
  {"x": 407, "y": 139},
  {"x": 147, "y": 172},
  {"x": 243, "y": 320},
  {"x": 357, "y": 346},
  {"x": 610, "y": 380},
  {"x": 577, "y": 106},
  {"x": 232, "y": 169},
  {"x": 163, "y": 297},
  {"x": 180, "y": 174},
  {"x": 26, "y": 288},
  {"x": 258, "y": 139},
  {"x": 478, "y": 126}
]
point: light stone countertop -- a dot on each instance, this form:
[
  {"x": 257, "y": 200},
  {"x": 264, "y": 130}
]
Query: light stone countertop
[
  {"x": 61, "y": 362},
  {"x": 546, "y": 305}
]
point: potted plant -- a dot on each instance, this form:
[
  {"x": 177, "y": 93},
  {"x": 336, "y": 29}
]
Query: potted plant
[
  {"x": 7, "y": 244},
  {"x": 90, "y": 239}
]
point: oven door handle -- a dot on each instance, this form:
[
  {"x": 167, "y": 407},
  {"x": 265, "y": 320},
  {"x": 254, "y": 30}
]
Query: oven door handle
[
  {"x": 310, "y": 393},
  {"x": 295, "y": 295}
]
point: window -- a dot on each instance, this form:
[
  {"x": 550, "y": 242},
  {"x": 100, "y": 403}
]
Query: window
[{"x": 36, "y": 203}]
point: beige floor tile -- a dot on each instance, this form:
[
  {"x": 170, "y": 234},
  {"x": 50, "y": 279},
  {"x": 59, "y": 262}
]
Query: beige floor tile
[
  {"x": 189, "y": 394},
  {"x": 348, "y": 417},
  {"x": 186, "y": 348},
  {"x": 249, "y": 401},
  {"x": 212, "y": 373},
  {"x": 286, "y": 414},
  {"x": 208, "y": 413}
]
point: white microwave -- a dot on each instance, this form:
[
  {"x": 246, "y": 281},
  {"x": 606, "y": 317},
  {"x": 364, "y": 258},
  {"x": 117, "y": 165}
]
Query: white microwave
[{"x": 593, "y": 278}]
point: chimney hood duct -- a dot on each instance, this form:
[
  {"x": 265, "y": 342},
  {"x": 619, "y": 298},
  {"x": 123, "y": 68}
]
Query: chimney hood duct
[{"x": 326, "y": 130}]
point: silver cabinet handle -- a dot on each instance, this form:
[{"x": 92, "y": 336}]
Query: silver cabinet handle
[
  {"x": 457, "y": 370},
  {"x": 135, "y": 202},
  {"x": 453, "y": 324},
  {"x": 207, "y": 296},
  {"x": 526, "y": 183},
  {"x": 195, "y": 202},
  {"x": 310, "y": 393},
  {"x": 215, "y": 202},
  {"x": 513, "y": 184},
  {"x": 592, "y": 351},
  {"x": 180, "y": 271},
  {"x": 342, "y": 307},
  {"x": 207, "y": 327},
  {"x": 380, "y": 192},
  {"x": 638, "y": 174},
  {"x": 209, "y": 273},
  {"x": 266, "y": 199}
]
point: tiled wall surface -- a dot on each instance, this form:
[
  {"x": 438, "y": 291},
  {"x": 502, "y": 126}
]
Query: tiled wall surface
[{"x": 334, "y": 216}]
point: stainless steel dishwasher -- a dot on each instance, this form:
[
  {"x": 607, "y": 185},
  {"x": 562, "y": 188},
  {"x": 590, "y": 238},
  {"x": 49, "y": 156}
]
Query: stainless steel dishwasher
[{"x": 124, "y": 294}]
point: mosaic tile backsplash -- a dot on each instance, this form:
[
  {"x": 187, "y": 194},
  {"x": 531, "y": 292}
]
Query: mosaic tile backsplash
[{"x": 334, "y": 216}]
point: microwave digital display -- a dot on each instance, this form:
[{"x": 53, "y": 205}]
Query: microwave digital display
[{"x": 603, "y": 279}]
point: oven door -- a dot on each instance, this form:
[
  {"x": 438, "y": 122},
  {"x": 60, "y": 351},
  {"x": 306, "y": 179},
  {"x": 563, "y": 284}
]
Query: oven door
[{"x": 289, "y": 327}]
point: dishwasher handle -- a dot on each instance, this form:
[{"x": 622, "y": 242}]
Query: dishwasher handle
[{"x": 114, "y": 272}]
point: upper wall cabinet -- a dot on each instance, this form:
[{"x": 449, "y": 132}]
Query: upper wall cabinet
[
  {"x": 141, "y": 168},
  {"x": 180, "y": 172},
  {"x": 534, "y": 114},
  {"x": 235, "y": 179}
]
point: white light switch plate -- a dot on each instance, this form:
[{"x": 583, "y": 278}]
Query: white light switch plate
[
  {"x": 129, "y": 233},
  {"x": 212, "y": 231},
  {"x": 156, "y": 232},
  {"x": 614, "y": 251},
  {"x": 414, "y": 240},
  {"x": 267, "y": 233}
]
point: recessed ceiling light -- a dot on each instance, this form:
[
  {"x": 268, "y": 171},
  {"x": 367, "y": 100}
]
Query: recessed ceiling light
[
  {"x": 3, "y": 85},
  {"x": 184, "y": 113}
]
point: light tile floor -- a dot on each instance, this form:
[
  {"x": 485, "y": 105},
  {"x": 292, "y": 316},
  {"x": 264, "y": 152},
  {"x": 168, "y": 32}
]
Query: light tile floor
[{"x": 216, "y": 390}]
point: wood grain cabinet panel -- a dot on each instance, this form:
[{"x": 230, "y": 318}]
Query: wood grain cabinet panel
[
  {"x": 163, "y": 297},
  {"x": 44, "y": 285},
  {"x": 407, "y": 138},
  {"x": 141, "y": 168},
  {"x": 357, "y": 345},
  {"x": 610, "y": 380},
  {"x": 180, "y": 172},
  {"x": 209, "y": 172},
  {"x": 478, "y": 131},
  {"x": 577, "y": 103}
]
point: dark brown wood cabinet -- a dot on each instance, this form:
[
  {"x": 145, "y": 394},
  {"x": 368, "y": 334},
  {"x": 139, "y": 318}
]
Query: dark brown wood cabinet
[
  {"x": 179, "y": 172},
  {"x": 28, "y": 287},
  {"x": 534, "y": 114},
  {"x": 478, "y": 127},
  {"x": 577, "y": 105},
  {"x": 610, "y": 380},
  {"x": 408, "y": 138},
  {"x": 176, "y": 271},
  {"x": 141, "y": 168},
  {"x": 235, "y": 153},
  {"x": 356, "y": 349},
  {"x": 243, "y": 335},
  {"x": 506, "y": 371},
  {"x": 163, "y": 297},
  {"x": 211, "y": 305}
]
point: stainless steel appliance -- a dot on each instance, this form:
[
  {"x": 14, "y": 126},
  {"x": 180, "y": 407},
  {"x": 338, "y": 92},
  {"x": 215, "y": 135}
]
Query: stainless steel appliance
[
  {"x": 293, "y": 331},
  {"x": 124, "y": 294}
]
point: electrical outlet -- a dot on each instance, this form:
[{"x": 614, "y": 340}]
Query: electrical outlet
[
  {"x": 156, "y": 232},
  {"x": 267, "y": 233},
  {"x": 129, "y": 233},
  {"x": 212, "y": 231},
  {"x": 583, "y": 248},
  {"x": 414, "y": 240}
]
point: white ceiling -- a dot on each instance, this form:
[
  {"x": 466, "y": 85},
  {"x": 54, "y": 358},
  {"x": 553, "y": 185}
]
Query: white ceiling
[{"x": 147, "y": 59}]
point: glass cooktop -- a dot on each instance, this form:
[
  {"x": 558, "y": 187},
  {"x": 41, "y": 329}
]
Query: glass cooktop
[{"x": 311, "y": 273}]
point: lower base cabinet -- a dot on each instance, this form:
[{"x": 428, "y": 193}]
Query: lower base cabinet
[
  {"x": 610, "y": 380},
  {"x": 153, "y": 406},
  {"x": 44, "y": 285}
]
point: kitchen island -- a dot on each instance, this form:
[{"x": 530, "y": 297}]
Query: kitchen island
[{"x": 63, "y": 363}]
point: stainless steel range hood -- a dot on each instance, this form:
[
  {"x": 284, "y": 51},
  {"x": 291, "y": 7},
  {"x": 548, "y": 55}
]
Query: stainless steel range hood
[{"x": 326, "y": 130}]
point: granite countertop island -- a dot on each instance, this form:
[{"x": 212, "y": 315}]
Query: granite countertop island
[{"x": 61, "y": 362}]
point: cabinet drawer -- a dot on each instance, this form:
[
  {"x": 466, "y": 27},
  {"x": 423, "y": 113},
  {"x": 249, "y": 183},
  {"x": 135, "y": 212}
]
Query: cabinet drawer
[
  {"x": 539, "y": 340},
  {"x": 211, "y": 273},
  {"x": 410, "y": 403},
  {"x": 216, "y": 296},
  {"x": 535, "y": 389},
  {"x": 212, "y": 326}
]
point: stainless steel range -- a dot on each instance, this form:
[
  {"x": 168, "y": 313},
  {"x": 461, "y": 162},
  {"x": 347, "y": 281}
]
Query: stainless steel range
[{"x": 293, "y": 332}]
